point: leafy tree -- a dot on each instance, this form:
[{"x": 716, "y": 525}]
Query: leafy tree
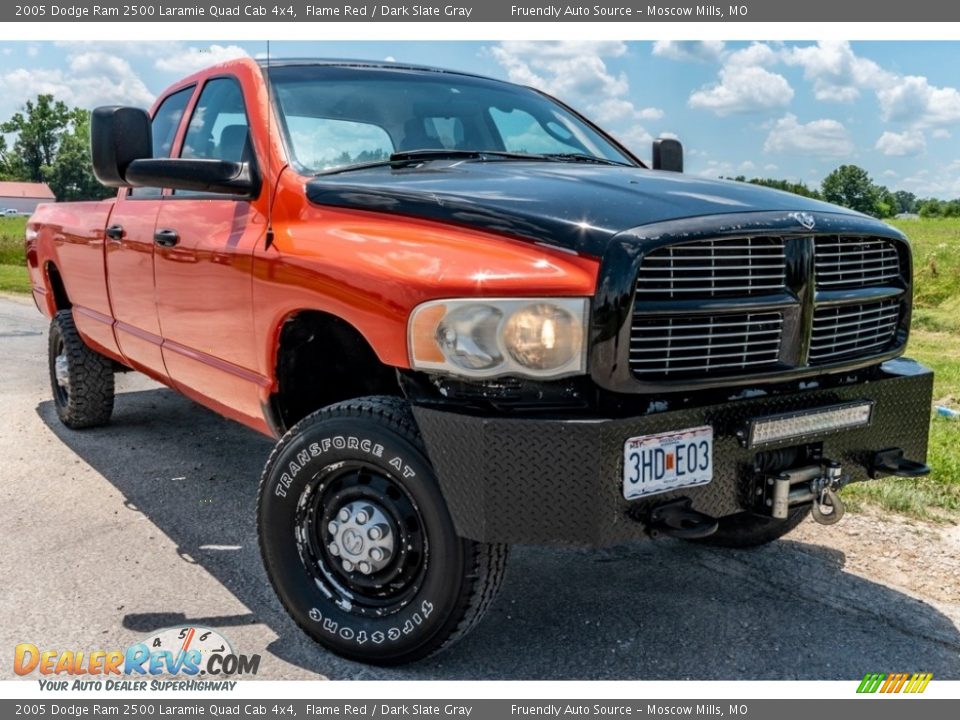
[
  {"x": 931, "y": 208},
  {"x": 851, "y": 186},
  {"x": 39, "y": 129},
  {"x": 52, "y": 145},
  {"x": 886, "y": 205},
  {"x": 70, "y": 177},
  {"x": 906, "y": 201}
]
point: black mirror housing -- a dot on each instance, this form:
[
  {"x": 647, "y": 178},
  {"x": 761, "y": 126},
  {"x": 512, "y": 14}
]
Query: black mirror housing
[
  {"x": 118, "y": 137},
  {"x": 668, "y": 155},
  {"x": 210, "y": 176}
]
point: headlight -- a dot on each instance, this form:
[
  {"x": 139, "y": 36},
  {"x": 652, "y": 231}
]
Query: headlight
[{"x": 534, "y": 337}]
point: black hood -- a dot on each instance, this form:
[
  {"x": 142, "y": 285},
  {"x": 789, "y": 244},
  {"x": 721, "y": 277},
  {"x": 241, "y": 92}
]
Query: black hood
[{"x": 576, "y": 206}]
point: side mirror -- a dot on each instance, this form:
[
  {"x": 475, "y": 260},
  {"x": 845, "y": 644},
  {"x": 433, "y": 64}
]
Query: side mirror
[
  {"x": 212, "y": 176},
  {"x": 668, "y": 155},
  {"x": 118, "y": 137}
]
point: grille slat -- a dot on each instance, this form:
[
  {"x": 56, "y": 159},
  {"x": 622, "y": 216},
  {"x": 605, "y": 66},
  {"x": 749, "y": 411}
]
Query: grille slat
[
  {"x": 727, "y": 342},
  {"x": 855, "y": 262},
  {"x": 714, "y": 268},
  {"x": 680, "y": 347},
  {"x": 852, "y": 330}
]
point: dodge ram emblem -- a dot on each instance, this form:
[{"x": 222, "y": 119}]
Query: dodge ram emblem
[{"x": 806, "y": 219}]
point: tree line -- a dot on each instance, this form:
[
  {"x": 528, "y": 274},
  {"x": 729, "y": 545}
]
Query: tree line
[
  {"x": 852, "y": 187},
  {"x": 52, "y": 145}
]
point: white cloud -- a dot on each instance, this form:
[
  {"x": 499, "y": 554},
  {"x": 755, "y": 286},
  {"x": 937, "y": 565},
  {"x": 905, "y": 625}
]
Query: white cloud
[
  {"x": 837, "y": 73},
  {"x": 743, "y": 89},
  {"x": 689, "y": 50},
  {"x": 890, "y": 173},
  {"x": 941, "y": 134},
  {"x": 912, "y": 99},
  {"x": 88, "y": 79},
  {"x": 821, "y": 138},
  {"x": 577, "y": 73},
  {"x": 910, "y": 142},
  {"x": 191, "y": 59},
  {"x": 770, "y": 167}
]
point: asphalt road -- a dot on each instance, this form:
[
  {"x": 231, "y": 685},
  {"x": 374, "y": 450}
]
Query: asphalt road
[{"x": 110, "y": 534}]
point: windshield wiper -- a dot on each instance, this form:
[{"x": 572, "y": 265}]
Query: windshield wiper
[
  {"x": 584, "y": 158},
  {"x": 409, "y": 157}
]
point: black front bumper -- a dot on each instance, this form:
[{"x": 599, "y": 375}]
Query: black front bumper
[{"x": 558, "y": 481}]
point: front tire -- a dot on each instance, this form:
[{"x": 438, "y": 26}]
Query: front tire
[
  {"x": 81, "y": 379},
  {"x": 358, "y": 542}
]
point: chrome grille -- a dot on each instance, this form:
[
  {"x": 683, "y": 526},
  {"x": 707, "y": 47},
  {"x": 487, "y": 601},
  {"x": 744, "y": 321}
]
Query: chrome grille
[
  {"x": 713, "y": 268},
  {"x": 852, "y": 330},
  {"x": 855, "y": 262},
  {"x": 670, "y": 347}
]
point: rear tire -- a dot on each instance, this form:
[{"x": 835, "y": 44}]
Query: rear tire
[
  {"x": 81, "y": 379},
  {"x": 746, "y": 530},
  {"x": 357, "y": 540}
]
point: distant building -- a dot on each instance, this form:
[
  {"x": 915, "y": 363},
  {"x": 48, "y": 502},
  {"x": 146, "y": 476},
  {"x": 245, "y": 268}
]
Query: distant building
[{"x": 23, "y": 196}]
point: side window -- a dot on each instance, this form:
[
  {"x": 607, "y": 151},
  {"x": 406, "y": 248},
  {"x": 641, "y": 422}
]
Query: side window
[
  {"x": 164, "y": 129},
  {"x": 219, "y": 129}
]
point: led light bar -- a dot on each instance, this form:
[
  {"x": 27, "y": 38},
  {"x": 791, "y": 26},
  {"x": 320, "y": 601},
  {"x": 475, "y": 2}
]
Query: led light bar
[{"x": 798, "y": 425}]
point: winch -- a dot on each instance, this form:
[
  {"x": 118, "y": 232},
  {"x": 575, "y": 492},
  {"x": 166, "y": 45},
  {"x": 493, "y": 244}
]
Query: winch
[{"x": 817, "y": 483}]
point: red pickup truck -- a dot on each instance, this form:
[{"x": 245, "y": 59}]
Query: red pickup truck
[{"x": 471, "y": 318}]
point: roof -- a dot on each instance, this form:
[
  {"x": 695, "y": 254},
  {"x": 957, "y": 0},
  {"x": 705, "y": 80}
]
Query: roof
[
  {"x": 372, "y": 64},
  {"x": 26, "y": 190}
]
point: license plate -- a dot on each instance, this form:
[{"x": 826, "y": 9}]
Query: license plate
[{"x": 663, "y": 462}]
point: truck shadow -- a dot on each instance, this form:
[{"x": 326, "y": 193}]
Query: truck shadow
[{"x": 666, "y": 610}]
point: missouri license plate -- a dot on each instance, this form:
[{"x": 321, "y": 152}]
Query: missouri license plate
[{"x": 668, "y": 461}]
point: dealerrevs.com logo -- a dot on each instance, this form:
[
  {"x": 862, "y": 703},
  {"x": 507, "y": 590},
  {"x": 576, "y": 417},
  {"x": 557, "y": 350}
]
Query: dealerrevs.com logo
[{"x": 175, "y": 658}]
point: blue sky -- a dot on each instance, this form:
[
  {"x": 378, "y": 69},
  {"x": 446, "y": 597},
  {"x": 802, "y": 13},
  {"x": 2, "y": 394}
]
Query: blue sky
[{"x": 791, "y": 110}]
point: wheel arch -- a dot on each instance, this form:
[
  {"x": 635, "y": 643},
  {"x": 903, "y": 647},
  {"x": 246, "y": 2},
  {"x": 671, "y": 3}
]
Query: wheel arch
[{"x": 317, "y": 359}]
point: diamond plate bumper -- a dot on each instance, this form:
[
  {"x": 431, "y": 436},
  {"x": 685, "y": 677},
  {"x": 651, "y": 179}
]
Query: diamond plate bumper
[{"x": 558, "y": 482}]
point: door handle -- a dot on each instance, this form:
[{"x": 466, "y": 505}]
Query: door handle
[
  {"x": 166, "y": 238},
  {"x": 115, "y": 232}
]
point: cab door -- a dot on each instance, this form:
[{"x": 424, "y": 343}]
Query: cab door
[
  {"x": 203, "y": 266},
  {"x": 129, "y": 251}
]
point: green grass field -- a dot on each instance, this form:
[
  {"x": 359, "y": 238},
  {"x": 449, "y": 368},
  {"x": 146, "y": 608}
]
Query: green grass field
[
  {"x": 935, "y": 341},
  {"x": 13, "y": 264}
]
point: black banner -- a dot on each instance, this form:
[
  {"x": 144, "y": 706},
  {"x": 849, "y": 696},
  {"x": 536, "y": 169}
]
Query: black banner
[
  {"x": 143, "y": 707},
  {"x": 313, "y": 11}
]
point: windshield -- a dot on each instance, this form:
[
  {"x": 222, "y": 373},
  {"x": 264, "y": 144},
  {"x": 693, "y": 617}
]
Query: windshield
[{"x": 336, "y": 117}]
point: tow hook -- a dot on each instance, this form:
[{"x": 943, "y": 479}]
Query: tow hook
[
  {"x": 818, "y": 484},
  {"x": 677, "y": 518}
]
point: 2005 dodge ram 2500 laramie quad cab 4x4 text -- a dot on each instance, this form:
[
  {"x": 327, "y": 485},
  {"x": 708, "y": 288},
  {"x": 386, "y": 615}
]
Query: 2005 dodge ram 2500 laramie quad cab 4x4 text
[{"x": 473, "y": 319}]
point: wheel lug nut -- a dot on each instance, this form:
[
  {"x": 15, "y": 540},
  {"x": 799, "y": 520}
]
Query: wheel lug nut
[
  {"x": 348, "y": 566},
  {"x": 364, "y": 567},
  {"x": 333, "y": 548},
  {"x": 377, "y": 531},
  {"x": 344, "y": 515},
  {"x": 332, "y": 527},
  {"x": 376, "y": 554},
  {"x": 362, "y": 517}
]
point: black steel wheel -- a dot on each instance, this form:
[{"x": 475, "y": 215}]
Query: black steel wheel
[{"x": 358, "y": 542}]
